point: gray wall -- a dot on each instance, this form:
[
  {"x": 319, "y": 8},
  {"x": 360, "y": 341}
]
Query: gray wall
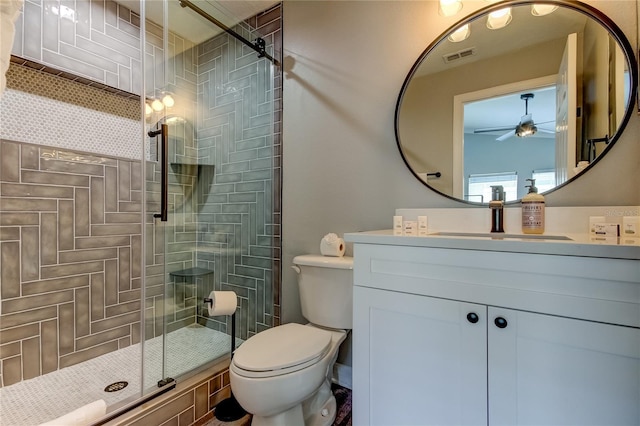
[{"x": 345, "y": 63}]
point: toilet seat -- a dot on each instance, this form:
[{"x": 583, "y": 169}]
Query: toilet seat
[{"x": 281, "y": 350}]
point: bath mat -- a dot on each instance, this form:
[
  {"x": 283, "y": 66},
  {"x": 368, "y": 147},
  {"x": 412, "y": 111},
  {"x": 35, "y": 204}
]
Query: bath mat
[
  {"x": 343, "y": 400},
  {"x": 343, "y": 410}
]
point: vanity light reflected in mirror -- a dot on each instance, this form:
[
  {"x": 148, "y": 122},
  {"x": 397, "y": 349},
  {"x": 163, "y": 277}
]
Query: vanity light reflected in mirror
[
  {"x": 499, "y": 19},
  {"x": 157, "y": 105},
  {"x": 542, "y": 9},
  {"x": 168, "y": 101},
  {"x": 460, "y": 110},
  {"x": 165, "y": 100},
  {"x": 460, "y": 34}
]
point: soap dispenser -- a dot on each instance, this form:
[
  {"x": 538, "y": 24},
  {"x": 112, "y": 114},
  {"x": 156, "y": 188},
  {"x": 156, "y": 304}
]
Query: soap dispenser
[{"x": 532, "y": 210}]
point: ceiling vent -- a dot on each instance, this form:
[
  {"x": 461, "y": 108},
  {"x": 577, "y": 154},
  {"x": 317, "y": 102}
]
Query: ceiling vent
[{"x": 451, "y": 57}]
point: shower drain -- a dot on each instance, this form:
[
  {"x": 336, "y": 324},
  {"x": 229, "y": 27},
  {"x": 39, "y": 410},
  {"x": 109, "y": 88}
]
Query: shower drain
[{"x": 115, "y": 387}]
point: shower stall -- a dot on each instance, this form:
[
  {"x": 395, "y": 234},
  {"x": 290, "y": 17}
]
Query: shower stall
[{"x": 139, "y": 171}]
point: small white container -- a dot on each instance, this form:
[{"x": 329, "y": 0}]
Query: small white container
[
  {"x": 410, "y": 228},
  {"x": 607, "y": 229},
  {"x": 631, "y": 226},
  {"x": 397, "y": 225},
  {"x": 423, "y": 229},
  {"x": 593, "y": 221}
]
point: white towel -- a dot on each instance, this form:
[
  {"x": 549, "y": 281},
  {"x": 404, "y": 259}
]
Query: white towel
[
  {"x": 9, "y": 12},
  {"x": 82, "y": 416}
]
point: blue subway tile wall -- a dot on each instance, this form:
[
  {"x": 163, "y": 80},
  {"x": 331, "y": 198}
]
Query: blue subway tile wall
[{"x": 238, "y": 237}]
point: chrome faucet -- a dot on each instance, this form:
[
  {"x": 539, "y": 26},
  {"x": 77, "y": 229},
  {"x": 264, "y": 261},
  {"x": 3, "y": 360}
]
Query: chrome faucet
[{"x": 497, "y": 208}]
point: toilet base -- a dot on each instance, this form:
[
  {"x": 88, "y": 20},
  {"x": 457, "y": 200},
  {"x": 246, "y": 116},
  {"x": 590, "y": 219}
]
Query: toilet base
[
  {"x": 293, "y": 416},
  {"x": 318, "y": 419},
  {"x": 319, "y": 410}
]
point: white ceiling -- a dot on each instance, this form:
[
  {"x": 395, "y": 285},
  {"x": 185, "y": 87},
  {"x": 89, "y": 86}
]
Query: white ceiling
[{"x": 188, "y": 24}]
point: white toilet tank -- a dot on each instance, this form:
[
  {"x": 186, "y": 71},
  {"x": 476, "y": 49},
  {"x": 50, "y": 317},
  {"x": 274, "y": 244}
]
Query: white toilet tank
[{"x": 326, "y": 289}]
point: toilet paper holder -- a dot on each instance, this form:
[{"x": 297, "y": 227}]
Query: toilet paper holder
[
  {"x": 209, "y": 301},
  {"x": 228, "y": 410}
]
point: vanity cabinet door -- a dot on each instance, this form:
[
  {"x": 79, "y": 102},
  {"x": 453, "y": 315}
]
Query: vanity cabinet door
[
  {"x": 548, "y": 370},
  {"x": 418, "y": 360}
]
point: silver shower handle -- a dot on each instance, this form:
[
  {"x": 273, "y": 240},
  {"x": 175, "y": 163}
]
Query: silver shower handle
[{"x": 164, "y": 170}]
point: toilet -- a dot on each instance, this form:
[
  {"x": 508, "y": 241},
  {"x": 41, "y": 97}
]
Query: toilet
[{"x": 282, "y": 376}]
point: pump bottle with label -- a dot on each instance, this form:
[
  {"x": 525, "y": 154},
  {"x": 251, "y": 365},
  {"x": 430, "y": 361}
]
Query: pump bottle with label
[{"x": 532, "y": 210}]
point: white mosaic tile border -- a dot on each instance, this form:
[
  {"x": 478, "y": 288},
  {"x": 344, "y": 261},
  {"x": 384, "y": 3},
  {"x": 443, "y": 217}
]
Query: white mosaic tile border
[{"x": 39, "y": 120}]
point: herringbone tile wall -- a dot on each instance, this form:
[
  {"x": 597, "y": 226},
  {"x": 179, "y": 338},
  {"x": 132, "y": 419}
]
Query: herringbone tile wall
[{"x": 70, "y": 247}]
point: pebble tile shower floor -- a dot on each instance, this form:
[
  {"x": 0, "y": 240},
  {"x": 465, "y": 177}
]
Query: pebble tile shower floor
[{"x": 43, "y": 398}]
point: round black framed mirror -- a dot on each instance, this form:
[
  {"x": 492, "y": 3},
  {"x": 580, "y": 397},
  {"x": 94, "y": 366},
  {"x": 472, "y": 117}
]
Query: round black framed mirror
[{"x": 543, "y": 96}]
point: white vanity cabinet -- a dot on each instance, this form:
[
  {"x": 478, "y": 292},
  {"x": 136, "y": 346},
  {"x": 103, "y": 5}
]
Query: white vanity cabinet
[
  {"x": 474, "y": 337},
  {"x": 398, "y": 377},
  {"x": 547, "y": 370}
]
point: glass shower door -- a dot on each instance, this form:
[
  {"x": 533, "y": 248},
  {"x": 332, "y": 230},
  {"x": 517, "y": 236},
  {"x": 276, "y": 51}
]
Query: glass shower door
[{"x": 214, "y": 98}]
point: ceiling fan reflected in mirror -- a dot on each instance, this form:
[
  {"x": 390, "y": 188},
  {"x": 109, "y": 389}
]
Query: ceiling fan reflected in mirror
[{"x": 525, "y": 128}]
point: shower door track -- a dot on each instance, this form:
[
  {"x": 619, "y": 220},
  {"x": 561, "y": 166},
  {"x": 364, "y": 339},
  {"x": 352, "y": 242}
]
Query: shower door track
[
  {"x": 258, "y": 44},
  {"x": 164, "y": 386}
]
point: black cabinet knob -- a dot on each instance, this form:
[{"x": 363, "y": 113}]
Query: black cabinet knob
[
  {"x": 472, "y": 317},
  {"x": 500, "y": 322}
]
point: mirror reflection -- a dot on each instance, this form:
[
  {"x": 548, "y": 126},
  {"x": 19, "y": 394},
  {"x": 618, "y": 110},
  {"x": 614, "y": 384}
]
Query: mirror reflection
[{"x": 534, "y": 91}]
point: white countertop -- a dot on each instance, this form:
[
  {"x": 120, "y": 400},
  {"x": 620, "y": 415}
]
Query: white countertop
[{"x": 583, "y": 245}]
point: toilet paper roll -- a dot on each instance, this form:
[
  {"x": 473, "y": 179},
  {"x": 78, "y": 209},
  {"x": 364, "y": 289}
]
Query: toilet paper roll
[
  {"x": 332, "y": 245},
  {"x": 222, "y": 303}
]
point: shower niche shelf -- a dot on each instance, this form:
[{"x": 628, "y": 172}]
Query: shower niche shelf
[
  {"x": 189, "y": 168},
  {"x": 191, "y": 272}
]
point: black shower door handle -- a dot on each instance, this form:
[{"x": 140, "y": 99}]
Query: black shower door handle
[{"x": 164, "y": 170}]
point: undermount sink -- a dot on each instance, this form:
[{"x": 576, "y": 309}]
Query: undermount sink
[{"x": 501, "y": 236}]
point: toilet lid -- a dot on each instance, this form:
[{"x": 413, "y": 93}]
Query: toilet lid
[{"x": 282, "y": 347}]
